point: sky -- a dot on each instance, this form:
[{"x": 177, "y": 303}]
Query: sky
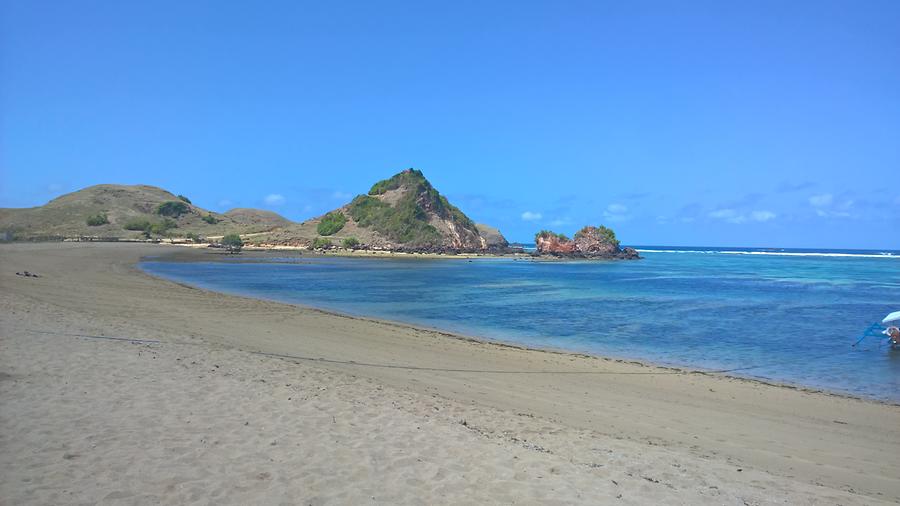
[{"x": 766, "y": 123}]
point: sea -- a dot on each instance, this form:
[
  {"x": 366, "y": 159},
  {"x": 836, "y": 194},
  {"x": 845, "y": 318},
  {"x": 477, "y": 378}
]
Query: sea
[{"x": 781, "y": 315}]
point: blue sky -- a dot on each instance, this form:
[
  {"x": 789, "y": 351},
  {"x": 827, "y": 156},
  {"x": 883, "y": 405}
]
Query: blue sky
[{"x": 678, "y": 123}]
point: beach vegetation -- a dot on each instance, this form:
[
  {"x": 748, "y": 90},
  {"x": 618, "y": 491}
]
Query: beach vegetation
[
  {"x": 321, "y": 243},
  {"x": 232, "y": 242},
  {"x": 95, "y": 220},
  {"x": 331, "y": 223},
  {"x": 350, "y": 243},
  {"x": 193, "y": 237},
  {"x": 172, "y": 208},
  {"x": 209, "y": 218},
  {"x": 137, "y": 224},
  {"x": 150, "y": 227},
  {"x": 184, "y": 199},
  {"x": 162, "y": 227}
]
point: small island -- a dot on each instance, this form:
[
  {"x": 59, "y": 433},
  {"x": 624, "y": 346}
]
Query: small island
[{"x": 596, "y": 243}]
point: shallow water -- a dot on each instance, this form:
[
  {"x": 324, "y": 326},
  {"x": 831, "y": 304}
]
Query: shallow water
[{"x": 787, "y": 318}]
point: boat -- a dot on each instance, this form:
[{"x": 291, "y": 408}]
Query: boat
[{"x": 890, "y": 334}]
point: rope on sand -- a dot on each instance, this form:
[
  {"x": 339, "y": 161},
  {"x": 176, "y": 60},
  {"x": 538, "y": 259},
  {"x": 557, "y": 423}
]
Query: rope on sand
[
  {"x": 437, "y": 369},
  {"x": 88, "y": 336},
  {"x": 370, "y": 364}
]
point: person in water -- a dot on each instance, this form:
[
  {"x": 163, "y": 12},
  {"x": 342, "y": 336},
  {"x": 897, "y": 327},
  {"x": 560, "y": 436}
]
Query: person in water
[{"x": 894, "y": 334}]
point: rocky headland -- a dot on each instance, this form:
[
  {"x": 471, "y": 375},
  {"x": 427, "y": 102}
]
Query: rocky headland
[{"x": 590, "y": 242}]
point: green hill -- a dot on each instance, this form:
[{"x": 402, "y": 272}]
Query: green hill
[
  {"x": 110, "y": 211},
  {"x": 402, "y": 212}
]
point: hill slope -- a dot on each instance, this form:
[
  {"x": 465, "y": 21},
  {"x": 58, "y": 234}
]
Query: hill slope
[
  {"x": 404, "y": 212},
  {"x": 126, "y": 212}
]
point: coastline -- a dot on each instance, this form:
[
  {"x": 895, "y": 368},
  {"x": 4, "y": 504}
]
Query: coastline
[
  {"x": 791, "y": 433},
  {"x": 202, "y": 254}
]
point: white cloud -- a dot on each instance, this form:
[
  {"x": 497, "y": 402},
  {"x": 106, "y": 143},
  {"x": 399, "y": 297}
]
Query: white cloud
[
  {"x": 826, "y": 206},
  {"x": 732, "y": 216},
  {"x": 225, "y": 203},
  {"x": 723, "y": 214},
  {"x": 531, "y": 216},
  {"x": 560, "y": 222},
  {"x": 822, "y": 200},
  {"x": 616, "y": 212},
  {"x": 762, "y": 215},
  {"x": 274, "y": 199},
  {"x": 339, "y": 195}
]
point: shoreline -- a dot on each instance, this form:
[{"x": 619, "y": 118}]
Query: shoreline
[
  {"x": 197, "y": 255},
  {"x": 728, "y": 435}
]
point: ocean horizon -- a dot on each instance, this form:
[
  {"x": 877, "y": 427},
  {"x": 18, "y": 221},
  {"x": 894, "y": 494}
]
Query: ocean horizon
[{"x": 773, "y": 314}]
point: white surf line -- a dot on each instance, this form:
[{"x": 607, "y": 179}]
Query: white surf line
[{"x": 774, "y": 253}]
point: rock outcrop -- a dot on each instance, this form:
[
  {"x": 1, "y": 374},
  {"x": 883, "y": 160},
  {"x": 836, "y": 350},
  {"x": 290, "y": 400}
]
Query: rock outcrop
[{"x": 589, "y": 242}]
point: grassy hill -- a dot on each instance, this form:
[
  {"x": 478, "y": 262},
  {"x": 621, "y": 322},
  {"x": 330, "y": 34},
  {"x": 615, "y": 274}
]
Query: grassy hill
[
  {"x": 402, "y": 212},
  {"x": 129, "y": 212}
]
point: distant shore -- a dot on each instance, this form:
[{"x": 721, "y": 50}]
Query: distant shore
[{"x": 730, "y": 438}]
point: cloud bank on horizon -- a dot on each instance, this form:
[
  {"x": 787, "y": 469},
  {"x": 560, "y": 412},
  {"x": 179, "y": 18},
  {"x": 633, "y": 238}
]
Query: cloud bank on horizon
[{"x": 700, "y": 124}]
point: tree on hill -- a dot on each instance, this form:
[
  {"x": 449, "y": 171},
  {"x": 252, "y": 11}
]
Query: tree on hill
[
  {"x": 331, "y": 223},
  {"x": 95, "y": 220},
  {"x": 172, "y": 208},
  {"x": 350, "y": 243},
  {"x": 233, "y": 243}
]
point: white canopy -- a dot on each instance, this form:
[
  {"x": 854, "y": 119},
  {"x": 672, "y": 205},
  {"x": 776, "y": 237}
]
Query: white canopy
[{"x": 895, "y": 316}]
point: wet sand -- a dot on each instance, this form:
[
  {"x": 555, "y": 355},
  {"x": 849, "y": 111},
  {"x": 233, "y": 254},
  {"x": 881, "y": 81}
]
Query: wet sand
[{"x": 236, "y": 400}]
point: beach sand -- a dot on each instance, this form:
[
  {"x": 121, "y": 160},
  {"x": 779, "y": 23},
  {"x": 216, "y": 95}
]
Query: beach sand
[{"x": 202, "y": 412}]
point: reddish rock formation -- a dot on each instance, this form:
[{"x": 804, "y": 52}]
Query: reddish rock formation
[
  {"x": 590, "y": 242},
  {"x": 554, "y": 244}
]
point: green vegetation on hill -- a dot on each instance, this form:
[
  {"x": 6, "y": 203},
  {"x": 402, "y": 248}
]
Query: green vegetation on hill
[
  {"x": 137, "y": 224},
  {"x": 409, "y": 177},
  {"x": 172, "y": 208},
  {"x": 549, "y": 233},
  {"x": 605, "y": 232},
  {"x": 150, "y": 227},
  {"x": 95, "y": 220},
  {"x": 185, "y": 199},
  {"x": 331, "y": 223},
  {"x": 79, "y": 214},
  {"x": 350, "y": 243},
  {"x": 407, "y": 220}
]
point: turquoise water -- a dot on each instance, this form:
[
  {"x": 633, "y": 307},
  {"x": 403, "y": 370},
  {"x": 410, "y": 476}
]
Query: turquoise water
[{"x": 787, "y": 318}]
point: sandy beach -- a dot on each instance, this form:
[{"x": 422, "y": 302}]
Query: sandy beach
[{"x": 120, "y": 388}]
